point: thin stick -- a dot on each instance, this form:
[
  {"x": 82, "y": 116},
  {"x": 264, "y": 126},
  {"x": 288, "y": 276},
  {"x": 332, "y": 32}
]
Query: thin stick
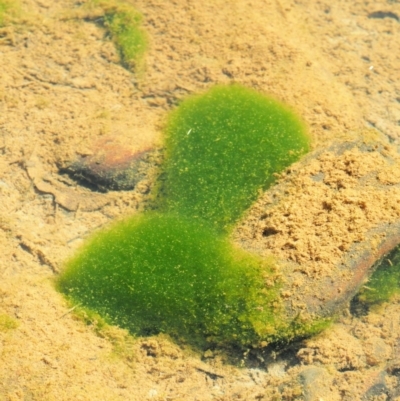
[{"x": 68, "y": 311}]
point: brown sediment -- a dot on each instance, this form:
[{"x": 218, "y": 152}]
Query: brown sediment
[
  {"x": 328, "y": 219},
  {"x": 66, "y": 197}
]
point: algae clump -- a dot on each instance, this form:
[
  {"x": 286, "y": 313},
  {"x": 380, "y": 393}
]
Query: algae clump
[
  {"x": 384, "y": 282},
  {"x": 223, "y": 148},
  {"x": 123, "y": 22},
  {"x": 166, "y": 273},
  {"x": 7, "y": 323},
  {"x": 174, "y": 270}
]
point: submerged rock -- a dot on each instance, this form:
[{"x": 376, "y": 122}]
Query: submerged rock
[{"x": 112, "y": 165}]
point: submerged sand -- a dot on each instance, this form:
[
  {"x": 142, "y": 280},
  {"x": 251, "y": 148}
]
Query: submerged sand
[{"x": 62, "y": 88}]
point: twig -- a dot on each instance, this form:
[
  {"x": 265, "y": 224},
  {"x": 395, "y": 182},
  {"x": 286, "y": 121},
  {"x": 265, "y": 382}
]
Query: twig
[{"x": 68, "y": 311}]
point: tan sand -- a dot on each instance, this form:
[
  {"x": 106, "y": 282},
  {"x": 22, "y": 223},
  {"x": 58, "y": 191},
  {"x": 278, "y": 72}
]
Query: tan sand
[{"x": 62, "y": 87}]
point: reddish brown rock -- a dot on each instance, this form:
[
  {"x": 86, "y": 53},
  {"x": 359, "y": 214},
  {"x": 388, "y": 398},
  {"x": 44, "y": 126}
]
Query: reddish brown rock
[{"x": 111, "y": 164}]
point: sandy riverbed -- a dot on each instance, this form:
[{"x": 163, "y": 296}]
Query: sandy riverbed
[{"x": 62, "y": 87}]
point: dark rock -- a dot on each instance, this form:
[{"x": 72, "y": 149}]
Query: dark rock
[{"x": 112, "y": 165}]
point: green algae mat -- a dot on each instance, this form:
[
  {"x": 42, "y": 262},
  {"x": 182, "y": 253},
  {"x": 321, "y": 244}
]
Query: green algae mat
[{"x": 174, "y": 270}]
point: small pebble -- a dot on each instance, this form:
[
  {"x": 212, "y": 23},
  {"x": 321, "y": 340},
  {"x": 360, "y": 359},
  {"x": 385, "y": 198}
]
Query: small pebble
[{"x": 111, "y": 165}]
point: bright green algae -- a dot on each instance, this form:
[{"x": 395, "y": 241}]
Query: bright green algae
[
  {"x": 124, "y": 26},
  {"x": 384, "y": 282},
  {"x": 164, "y": 273},
  {"x": 174, "y": 270},
  {"x": 223, "y": 148},
  {"x": 123, "y": 22}
]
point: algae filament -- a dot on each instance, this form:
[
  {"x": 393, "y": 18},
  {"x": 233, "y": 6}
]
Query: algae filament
[{"x": 175, "y": 270}]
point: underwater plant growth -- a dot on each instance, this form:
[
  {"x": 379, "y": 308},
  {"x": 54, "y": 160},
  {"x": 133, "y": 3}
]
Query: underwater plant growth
[
  {"x": 223, "y": 147},
  {"x": 7, "y": 323},
  {"x": 8, "y": 9},
  {"x": 165, "y": 273},
  {"x": 174, "y": 270},
  {"x": 123, "y": 23},
  {"x": 384, "y": 282}
]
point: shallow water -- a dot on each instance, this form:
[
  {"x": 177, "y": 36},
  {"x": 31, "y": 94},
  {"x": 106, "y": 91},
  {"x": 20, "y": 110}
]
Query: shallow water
[{"x": 63, "y": 88}]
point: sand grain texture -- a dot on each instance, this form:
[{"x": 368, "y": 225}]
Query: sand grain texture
[{"x": 62, "y": 88}]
